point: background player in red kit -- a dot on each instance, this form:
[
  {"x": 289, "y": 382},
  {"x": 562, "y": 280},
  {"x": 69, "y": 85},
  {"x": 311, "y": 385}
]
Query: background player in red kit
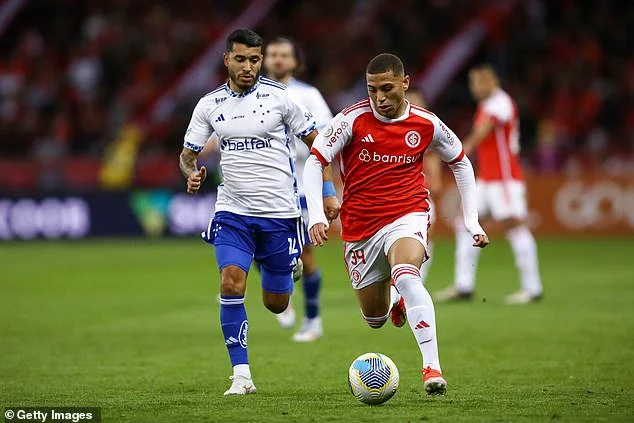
[
  {"x": 501, "y": 190},
  {"x": 385, "y": 210}
]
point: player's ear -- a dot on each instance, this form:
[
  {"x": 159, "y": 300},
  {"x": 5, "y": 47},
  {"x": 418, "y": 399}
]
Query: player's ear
[
  {"x": 405, "y": 82},
  {"x": 225, "y": 59}
]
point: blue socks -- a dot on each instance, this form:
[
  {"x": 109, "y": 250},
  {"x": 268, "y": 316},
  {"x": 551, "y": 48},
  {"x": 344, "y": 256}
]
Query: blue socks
[
  {"x": 233, "y": 318},
  {"x": 311, "y": 284}
]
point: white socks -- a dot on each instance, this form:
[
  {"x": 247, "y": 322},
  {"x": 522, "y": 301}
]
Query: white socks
[
  {"x": 242, "y": 370},
  {"x": 525, "y": 251},
  {"x": 424, "y": 269},
  {"x": 466, "y": 261},
  {"x": 420, "y": 311},
  {"x": 395, "y": 297}
]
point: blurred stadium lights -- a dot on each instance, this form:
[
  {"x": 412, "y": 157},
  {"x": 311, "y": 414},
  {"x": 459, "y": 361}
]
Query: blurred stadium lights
[
  {"x": 8, "y": 10},
  {"x": 452, "y": 57},
  {"x": 203, "y": 72}
]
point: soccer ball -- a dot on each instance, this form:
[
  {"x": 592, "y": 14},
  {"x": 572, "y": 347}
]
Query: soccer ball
[{"x": 373, "y": 378}]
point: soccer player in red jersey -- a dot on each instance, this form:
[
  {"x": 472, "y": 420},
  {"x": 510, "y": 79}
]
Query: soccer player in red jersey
[
  {"x": 501, "y": 190},
  {"x": 380, "y": 143}
]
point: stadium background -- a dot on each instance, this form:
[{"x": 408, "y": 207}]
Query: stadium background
[{"x": 95, "y": 96}]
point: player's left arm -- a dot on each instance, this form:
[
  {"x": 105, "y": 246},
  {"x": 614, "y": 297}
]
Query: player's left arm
[
  {"x": 329, "y": 194},
  {"x": 480, "y": 131},
  {"x": 450, "y": 150}
]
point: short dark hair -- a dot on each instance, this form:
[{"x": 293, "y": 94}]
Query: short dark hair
[
  {"x": 297, "y": 52},
  {"x": 485, "y": 67},
  {"x": 243, "y": 36},
  {"x": 386, "y": 62}
]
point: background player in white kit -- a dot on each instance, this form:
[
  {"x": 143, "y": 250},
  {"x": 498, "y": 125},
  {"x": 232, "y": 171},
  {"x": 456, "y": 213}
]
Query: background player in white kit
[
  {"x": 501, "y": 189},
  {"x": 257, "y": 207},
  {"x": 385, "y": 213},
  {"x": 282, "y": 62}
]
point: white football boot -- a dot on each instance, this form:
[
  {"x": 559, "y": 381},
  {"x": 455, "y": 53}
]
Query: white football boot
[
  {"x": 240, "y": 386},
  {"x": 310, "y": 330},
  {"x": 522, "y": 297},
  {"x": 286, "y": 319}
]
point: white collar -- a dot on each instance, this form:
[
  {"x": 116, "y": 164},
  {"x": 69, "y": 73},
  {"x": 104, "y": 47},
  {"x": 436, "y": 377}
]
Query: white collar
[{"x": 382, "y": 118}]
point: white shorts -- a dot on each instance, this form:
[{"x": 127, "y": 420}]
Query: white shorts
[
  {"x": 366, "y": 260},
  {"x": 502, "y": 199}
]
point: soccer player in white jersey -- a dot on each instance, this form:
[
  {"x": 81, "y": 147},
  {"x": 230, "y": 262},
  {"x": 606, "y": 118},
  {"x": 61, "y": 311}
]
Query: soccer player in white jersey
[
  {"x": 257, "y": 207},
  {"x": 379, "y": 143},
  {"x": 502, "y": 193},
  {"x": 282, "y": 62}
]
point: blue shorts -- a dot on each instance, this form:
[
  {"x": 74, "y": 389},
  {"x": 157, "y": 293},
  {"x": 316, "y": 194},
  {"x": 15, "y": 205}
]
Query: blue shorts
[
  {"x": 304, "y": 205},
  {"x": 275, "y": 243}
]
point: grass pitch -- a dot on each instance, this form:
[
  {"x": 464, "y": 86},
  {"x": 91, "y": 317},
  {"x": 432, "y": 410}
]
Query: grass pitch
[{"x": 133, "y": 328}]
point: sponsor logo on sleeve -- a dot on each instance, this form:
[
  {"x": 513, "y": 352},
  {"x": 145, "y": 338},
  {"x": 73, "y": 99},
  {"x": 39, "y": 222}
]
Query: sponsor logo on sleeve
[
  {"x": 335, "y": 134},
  {"x": 447, "y": 133}
]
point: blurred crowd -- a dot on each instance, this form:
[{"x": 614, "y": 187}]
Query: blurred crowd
[
  {"x": 570, "y": 67},
  {"x": 72, "y": 73}
]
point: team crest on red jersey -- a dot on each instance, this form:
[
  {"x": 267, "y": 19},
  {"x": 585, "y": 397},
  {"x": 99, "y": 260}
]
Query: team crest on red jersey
[{"x": 412, "y": 138}]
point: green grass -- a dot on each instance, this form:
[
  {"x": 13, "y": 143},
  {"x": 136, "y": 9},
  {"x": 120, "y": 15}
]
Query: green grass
[{"x": 132, "y": 327}]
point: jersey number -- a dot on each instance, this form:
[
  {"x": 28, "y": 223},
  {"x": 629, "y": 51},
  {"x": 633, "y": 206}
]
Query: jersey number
[
  {"x": 357, "y": 256},
  {"x": 292, "y": 246}
]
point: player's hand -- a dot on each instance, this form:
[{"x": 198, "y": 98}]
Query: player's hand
[
  {"x": 331, "y": 207},
  {"x": 481, "y": 240},
  {"x": 318, "y": 234},
  {"x": 195, "y": 180}
]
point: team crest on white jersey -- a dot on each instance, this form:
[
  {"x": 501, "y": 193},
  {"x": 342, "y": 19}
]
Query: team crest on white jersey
[{"x": 412, "y": 138}]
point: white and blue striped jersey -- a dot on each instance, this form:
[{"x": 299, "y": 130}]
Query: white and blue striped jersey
[
  {"x": 256, "y": 130},
  {"x": 309, "y": 97}
]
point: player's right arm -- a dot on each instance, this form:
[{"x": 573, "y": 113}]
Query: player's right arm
[
  {"x": 196, "y": 136},
  {"x": 324, "y": 149}
]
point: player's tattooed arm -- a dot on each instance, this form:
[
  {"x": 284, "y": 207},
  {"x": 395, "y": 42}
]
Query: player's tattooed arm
[
  {"x": 195, "y": 177},
  {"x": 188, "y": 162}
]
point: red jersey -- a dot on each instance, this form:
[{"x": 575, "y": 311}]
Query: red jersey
[
  {"x": 381, "y": 162},
  {"x": 498, "y": 152}
]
